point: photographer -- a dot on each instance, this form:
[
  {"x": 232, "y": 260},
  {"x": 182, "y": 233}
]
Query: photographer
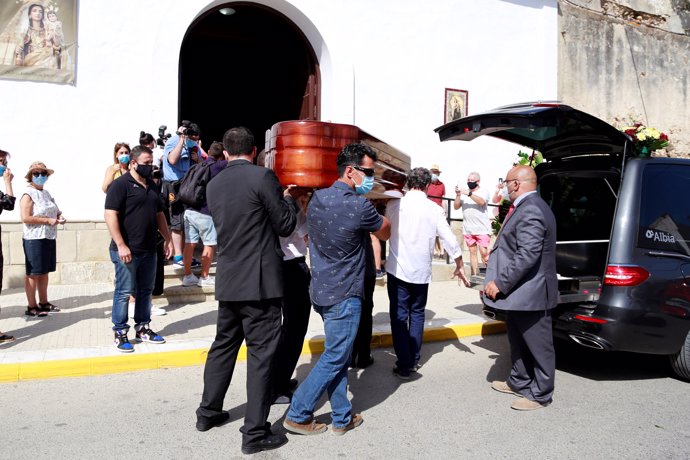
[{"x": 180, "y": 152}]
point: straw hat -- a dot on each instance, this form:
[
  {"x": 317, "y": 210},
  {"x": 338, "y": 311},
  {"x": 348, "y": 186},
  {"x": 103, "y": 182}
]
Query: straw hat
[
  {"x": 435, "y": 167},
  {"x": 37, "y": 166}
]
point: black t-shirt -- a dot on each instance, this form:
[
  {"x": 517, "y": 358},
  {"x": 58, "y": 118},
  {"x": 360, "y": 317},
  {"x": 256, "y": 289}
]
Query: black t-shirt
[{"x": 136, "y": 208}]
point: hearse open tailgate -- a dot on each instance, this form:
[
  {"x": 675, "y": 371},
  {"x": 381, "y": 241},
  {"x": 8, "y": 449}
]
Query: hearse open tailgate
[{"x": 554, "y": 129}]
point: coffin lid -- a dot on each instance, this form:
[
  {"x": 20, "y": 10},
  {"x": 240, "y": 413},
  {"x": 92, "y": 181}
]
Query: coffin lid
[{"x": 554, "y": 129}]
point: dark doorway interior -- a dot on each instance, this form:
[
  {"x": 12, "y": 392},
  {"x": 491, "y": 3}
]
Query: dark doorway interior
[{"x": 251, "y": 68}]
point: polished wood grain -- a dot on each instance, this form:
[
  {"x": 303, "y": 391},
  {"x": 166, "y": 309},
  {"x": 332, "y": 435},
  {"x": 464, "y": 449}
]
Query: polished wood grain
[{"x": 304, "y": 153}]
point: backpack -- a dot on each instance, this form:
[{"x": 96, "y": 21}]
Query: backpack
[{"x": 192, "y": 187}]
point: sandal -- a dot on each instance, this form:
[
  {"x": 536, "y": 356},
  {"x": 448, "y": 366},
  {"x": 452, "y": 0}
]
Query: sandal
[
  {"x": 48, "y": 307},
  {"x": 35, "y": 311}
]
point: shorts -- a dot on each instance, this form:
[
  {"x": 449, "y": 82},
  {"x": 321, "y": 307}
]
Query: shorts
[
  {"x": 39, "y": 256},
  {"x": 481, "y": 240},
  {"x": 199, "y": 226},
  {"x": 176, "y": 216}
]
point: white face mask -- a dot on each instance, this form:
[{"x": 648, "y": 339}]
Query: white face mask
[{"x": 504, "y": 193}]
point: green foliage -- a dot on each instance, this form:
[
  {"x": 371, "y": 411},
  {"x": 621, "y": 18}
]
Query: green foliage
[{"x": 526, "y": 159}]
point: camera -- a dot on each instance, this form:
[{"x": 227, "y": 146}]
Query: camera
[
  {"x": 157, "y": 173},
  {"x": 162, "y": 136},
  {"x": 190, "y": 129}
]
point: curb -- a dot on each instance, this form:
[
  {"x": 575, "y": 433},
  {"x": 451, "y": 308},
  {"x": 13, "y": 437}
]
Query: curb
[{"x": 101, "y": 365}]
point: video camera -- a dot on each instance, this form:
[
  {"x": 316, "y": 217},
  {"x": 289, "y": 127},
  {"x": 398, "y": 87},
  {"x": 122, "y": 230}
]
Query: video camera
[
  {"x": 189, "y": 130},
  {"x": 162, "y": 136}
]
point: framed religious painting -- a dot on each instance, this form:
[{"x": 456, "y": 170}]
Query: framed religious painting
[
  {"x": 455, "y": 105},
  {"x": 38, "y": 40}
]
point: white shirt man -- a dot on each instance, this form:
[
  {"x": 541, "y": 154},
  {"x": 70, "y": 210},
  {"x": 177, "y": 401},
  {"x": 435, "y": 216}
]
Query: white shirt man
[{"x": 415, "y": 224}]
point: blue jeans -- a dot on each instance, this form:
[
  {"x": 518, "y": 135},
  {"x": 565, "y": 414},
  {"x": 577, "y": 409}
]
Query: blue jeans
[
  {"x": 135, "y": 278},
  {"x": 407, "y": 304},
  {"x": 340, "y": 323}
]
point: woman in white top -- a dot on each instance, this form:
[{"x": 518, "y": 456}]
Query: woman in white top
[{"x": 40, "y": 215}]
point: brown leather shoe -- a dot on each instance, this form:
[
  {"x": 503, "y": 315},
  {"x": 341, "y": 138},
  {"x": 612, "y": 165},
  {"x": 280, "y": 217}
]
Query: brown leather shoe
[
  {"x": 306, "y": 428},
  {"x": 503, "y": 388},
  {"x": 355, "y": 421},
  {"x": 526, "y": 404}
]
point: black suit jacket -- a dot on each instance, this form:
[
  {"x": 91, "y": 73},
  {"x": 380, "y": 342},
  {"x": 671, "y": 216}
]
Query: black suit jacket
[{"x": 249, "y": 212}]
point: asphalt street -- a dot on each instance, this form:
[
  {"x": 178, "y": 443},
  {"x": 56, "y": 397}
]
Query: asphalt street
[{"x": 605, "y": 406}]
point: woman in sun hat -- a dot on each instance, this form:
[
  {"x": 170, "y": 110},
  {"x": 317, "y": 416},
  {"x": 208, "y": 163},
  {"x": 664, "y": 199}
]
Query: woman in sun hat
[{"x": 40, "y": 215}]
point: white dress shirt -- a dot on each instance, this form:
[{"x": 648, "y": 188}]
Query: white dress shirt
[
  {"x": 415, "y": 223},
  {"x": 294, "y": 246}
]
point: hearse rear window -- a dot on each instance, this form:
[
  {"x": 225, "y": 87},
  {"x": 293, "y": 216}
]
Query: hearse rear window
[{"x": 665, "y": 209}]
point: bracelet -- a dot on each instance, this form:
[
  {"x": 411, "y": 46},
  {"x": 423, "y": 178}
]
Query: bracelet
[{"x": 469, "y": 194}]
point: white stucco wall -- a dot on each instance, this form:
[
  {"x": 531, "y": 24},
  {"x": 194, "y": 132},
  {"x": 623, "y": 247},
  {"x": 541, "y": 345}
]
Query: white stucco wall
[{"x": 384, "y": 66}]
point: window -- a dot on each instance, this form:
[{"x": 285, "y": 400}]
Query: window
[{"x": 665, "y": 208}]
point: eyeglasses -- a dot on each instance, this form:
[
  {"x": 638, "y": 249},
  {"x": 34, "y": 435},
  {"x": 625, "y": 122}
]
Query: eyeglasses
[
  {"x": 369, "y": 172},
  {"x": 505, "y": 182},
  {"x": 43, "y": 173}
]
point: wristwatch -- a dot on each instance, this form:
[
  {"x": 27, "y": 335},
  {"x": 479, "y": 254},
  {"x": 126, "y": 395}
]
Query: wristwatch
[{"x": 469, "y": 194}]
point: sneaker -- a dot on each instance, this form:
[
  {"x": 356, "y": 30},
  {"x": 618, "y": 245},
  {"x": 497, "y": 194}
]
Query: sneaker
[
  {"x": 122, "y": 342},
  {"x": 208, "y": 281},
  {"x": 196, "y": 263},
  {"x": 5, "y": 338},
  {"x": 156, "y": 311},
  {"x": 190, "y": 280},
  {"x": 400, "y": 374},
  {"x": 306, "y": 428},
  {"x": 178, "y": 262},
  {"x": 144, "y": 334},
  {"x": 355, "y": 421},
  {"x": 380, "y": 274}
]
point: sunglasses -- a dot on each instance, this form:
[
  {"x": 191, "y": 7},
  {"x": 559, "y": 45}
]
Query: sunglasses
[
  {"x": 44, "y": 173},
  {"x": 369, "y": 172}
]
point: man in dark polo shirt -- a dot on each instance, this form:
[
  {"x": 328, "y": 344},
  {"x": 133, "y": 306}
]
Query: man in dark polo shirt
[
  {"x": 339, "y": 225},
  {"x": 133, "y": 214}
]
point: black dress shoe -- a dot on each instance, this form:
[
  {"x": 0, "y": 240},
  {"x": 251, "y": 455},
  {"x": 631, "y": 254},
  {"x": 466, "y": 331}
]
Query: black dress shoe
[
  {"x": 364, "y": 363},
  {"x": 271, "y": 441},
  {"x": 206, "y": 423}
]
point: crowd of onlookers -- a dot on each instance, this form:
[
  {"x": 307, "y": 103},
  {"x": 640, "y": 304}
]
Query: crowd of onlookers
[{"x": 265, "y": 288}]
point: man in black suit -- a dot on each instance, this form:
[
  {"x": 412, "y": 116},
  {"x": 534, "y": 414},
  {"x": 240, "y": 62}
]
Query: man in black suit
[
  {"x": 250, "y": 212},
  {"x": 521, "y": 279}
]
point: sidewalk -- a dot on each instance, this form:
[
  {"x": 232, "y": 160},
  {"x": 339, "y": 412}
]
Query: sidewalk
[{"x": 78, "y": 340}]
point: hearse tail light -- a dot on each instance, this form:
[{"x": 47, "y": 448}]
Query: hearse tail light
[
  {"x": 590, "y": 319},
  {"x": 624, "y": 275}
]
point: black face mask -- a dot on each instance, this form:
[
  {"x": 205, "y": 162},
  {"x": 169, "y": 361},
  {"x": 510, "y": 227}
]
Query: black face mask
[
  {"x": 472, "y": 185},
  {"x": 144, "y": 170}
]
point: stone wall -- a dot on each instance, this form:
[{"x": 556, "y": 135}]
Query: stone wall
[
  {"x": 628, "y": 59},
  {"x": 82, "y": 254}
]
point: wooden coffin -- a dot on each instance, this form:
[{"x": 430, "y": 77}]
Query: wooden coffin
[{"x": 304, "y": 153}]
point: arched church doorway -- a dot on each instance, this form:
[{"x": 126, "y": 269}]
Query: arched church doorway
[{"x": 246, "y": 64}]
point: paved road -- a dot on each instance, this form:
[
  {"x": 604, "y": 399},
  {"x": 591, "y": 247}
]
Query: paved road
[{"x": 606, "y": 406}]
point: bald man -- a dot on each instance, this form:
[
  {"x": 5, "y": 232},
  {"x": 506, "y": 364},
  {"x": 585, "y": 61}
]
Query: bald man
[{"x": 521, "y": 279}]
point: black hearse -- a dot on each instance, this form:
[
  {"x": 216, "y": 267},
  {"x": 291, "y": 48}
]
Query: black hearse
[{"x": 623, "y": 250}]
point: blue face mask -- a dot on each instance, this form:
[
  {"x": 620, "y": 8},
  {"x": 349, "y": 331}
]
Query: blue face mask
[
  {"x": 2, "y": 169},
  {"x": 190, "y": 143},
  {"x": 40, "y": 180},
  {"x": 366, "y": 185},
  {"x": 124, "y": 159}
]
